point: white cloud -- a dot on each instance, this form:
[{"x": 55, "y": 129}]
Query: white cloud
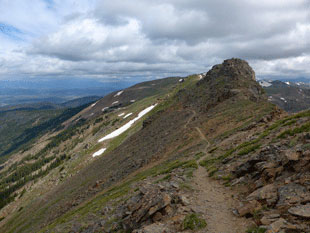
[{"x": 120, "y": 38}]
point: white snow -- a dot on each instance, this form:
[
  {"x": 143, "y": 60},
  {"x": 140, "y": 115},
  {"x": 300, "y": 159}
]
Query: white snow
[
  {"x": 283, "y": 99},
  {"x": 118, "y": 93},
  {"x": 200, "y": 76},
  {"x": 132, "y": 101},
  {"x": 287, "y": 83},
  {"x": 93, "y": 104},
  {"x": 99, "y": 152},
  {"x": 105, "y": 108},
  {"x": 127, "y": 125},
  {"x": 115, "y": 102},
  {"x": 122, "y": 114},
  {"x": 263, "y": 83},
  {"x": 127, "y": 115}
]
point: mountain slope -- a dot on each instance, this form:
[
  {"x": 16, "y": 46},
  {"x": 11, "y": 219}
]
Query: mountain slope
[
  {"x": 152, "y": 177},
  {"x": 290, "y": 96},
  {"x": 227, "y": 99}
]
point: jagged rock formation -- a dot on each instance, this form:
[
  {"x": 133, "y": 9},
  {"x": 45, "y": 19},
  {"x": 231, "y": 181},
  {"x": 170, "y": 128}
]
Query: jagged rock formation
[{"x": 234, "y": 78}]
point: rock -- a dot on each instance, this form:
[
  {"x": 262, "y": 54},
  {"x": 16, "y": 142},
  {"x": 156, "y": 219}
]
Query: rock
[
  {"x": 291, "y": 193},
  {"x": 154, "y": 228},
  {"x": 148, "y": 205},
  {"x": 300, "y": 211},
  {"x": 168, "y": 210},
  {"x": 268, "y": 193},
  {"x": 249, "y": 208},
  {"x": 184, "y": 200},
  {"x": 269, "y": 218},
  {"x": 279, "y": 225},
  {"x": 175, "y": 185},
  {"x": 157, "y": 217},
  {"x": 292, "y": 155},
  {"x": 238, "y": 181}
]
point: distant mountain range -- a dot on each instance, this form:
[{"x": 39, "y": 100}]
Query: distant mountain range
[
  {"x": 14, "y": 92},
  {"x": 288, "y": 95}
]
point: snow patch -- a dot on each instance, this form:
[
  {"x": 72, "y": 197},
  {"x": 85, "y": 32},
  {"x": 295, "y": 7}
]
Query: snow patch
[
  {"x": 122, "y": 114},
  {"x": 287, "y": 83},
  {"x": 115, "y": 102},
  {"x": 105, "y": 108},
  {"x": 99, "y": 152},
  {"x": 132, "y": 101},
  {"x": 283, "y": 99},
  {"x": 118, "y": 93},
  {"x": 93, "y": 104},
  {"x": 127, "y": 125},
  {"x": 129, "y": 114},
  {"x": 264, "y": 83}
]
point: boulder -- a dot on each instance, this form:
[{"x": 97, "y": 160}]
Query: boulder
[
  {"x": 150, "y": 205},
  {"x": 249, "y": 208},
  {"x": 291, "y": 193},
  {"x": 300, "y": 211},
  {"x": 268, "y": 193},
  {"x": 281, "y": 225}
]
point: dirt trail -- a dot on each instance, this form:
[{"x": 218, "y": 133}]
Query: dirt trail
[{"x": 215, "y": 202}]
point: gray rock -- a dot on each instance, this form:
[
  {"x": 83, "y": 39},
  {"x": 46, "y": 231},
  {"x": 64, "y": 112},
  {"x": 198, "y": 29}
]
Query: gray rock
[{"x": 300, "y": 211}]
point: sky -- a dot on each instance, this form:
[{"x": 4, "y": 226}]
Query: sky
[{"x": 143, "y": 39}]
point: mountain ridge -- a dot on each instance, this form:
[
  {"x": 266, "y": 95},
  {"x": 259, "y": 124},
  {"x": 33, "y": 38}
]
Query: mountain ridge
[{"x": 214, "y": 124}]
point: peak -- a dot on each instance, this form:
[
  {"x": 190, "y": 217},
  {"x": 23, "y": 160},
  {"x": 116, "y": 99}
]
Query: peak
[
  {"x": 233, "y": 79},
  {"x": 235, "y": 68}
]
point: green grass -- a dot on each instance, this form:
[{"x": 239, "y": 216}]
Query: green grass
[
  {"x": 256, "y": 229},
  {"x": 249, "y": 149},
  {"x": 199, "y": 155},
  {"x": 252, "y": 145},
  {"x": 292, "y": 132},
  {"x": 194, "y": 222}
]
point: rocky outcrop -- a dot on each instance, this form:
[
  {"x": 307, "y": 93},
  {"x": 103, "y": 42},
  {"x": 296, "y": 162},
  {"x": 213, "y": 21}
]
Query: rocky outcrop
[
  {"x": 234, "y": 78},
  {"x": 155, "y": 208}
]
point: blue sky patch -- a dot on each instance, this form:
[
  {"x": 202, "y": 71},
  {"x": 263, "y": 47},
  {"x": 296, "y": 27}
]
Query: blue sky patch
[{"x": 11, "y": 31}]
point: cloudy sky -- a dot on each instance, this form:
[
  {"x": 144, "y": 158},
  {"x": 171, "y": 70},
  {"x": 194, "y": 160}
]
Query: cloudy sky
[{"x": 118, "y": 39}]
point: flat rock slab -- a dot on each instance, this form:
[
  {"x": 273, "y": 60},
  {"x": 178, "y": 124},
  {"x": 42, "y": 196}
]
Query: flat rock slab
[{"x": 301, "y": 211}]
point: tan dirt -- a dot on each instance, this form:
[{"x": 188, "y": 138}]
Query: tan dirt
[{"x": 215, "y": 202}]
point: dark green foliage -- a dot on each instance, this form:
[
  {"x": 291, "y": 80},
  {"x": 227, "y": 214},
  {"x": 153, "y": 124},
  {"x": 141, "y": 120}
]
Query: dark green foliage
[
  {"x": 115, "y": 121},
  {"x": 23, "y": 175},
  {"x": 52, "y": 124},
  {"x": 22, "y": 193},
  {"x": 193, "y": 222}
]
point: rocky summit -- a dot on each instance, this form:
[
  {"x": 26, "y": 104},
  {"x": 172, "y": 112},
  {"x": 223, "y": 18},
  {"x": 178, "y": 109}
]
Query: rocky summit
[{"x": 205, "y": 153}]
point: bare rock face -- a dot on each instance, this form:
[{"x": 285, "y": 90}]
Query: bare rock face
[
  {"x": 301, "y": 211},
  {"x": 234, "y": 78},
  {"x": 291, "y": 193},
  {"x": 149, "y": 206},
  {"x": 267, "y": 193},
  {"x": 239, "y": 67}
]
